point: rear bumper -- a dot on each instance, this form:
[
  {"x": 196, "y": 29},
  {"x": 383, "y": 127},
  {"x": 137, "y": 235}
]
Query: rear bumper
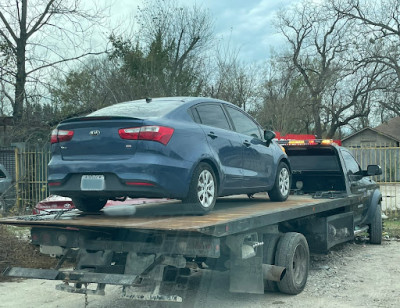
[
  {"x": 114, "y": 187},
  {"x": 122, "y": 178}
]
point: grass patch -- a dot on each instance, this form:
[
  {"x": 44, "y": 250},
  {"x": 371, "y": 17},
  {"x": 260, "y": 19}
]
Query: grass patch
[{"x": 392, "y": 227}]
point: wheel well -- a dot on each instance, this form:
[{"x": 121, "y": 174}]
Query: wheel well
[
  {"x": 214, "y": 167},
  {"x": 285, "y": 160}
]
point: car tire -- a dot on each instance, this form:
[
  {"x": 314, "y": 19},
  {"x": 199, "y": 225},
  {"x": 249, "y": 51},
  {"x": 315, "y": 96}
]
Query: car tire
[
  {"x": 375, "y": 228},
  {"x": 202, "y": 190},
  {"x": 293, "y": 253},
  {"x": 89, "y": 204},
  {"x": 269, "y": 251},
  {"x": 281, "y": 189}
]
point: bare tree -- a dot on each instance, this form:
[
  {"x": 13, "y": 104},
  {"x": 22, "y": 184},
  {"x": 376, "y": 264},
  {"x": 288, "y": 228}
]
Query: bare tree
[
  {"x": 33, "y": 33},
  {"x": 379, "y": 41},
  {"x": 323, "y": 51},
  {"x": 284, "y": 98},
  {"x": 352, "y": 98},
  {"x": 233, "y": 80},
  {"x": 316, "y": 38}
]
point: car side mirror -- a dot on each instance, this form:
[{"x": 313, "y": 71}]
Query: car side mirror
[
  {"x": 373, "y": 170},
  {"x": 268, "y": 136}
]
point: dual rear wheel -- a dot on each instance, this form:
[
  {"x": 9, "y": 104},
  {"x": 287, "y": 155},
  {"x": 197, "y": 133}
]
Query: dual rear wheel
[{"x": 291, "y": 251}]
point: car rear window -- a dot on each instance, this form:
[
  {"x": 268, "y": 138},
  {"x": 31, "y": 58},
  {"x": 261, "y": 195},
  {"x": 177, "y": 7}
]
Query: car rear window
[
  {"x": 2, "y": 175},
  {"x": 138, "y": 109}
]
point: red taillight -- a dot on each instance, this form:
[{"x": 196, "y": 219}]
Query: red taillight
[
  {"x": 160, "y": 134},
  {"x": 59, "y": 135}
]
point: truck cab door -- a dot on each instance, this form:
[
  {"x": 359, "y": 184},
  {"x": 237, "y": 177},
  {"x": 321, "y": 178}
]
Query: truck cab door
[{"x": 358, "y": 185}]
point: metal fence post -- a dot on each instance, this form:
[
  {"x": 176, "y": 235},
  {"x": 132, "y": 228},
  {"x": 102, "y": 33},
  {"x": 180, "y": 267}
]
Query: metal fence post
[{"x": 17, "y": 179}]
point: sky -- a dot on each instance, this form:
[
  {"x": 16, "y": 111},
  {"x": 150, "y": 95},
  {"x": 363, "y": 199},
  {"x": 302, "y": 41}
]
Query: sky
[{"x": 246, "y": 24}]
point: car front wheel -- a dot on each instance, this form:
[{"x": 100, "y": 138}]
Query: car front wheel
[
  {"x": 375, "y": 228},
  {"x": 203, "y": 190}
]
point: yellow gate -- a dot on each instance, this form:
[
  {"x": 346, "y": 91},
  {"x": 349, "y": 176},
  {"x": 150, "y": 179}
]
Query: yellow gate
[
  {"x": 389, "y": 160},
  {"x": 31, "y": 177}
]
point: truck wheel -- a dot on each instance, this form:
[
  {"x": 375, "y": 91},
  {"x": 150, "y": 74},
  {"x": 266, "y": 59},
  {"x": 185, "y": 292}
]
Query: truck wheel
[
  {"x": 270, "y": 244},
  {"x": 202, "y": 190},
  {"x": 281, "y": 189},
  {"x": 89, "y": 204},
  {"x": 375, "y": 228},
  {"x": 292, "y": 252}
]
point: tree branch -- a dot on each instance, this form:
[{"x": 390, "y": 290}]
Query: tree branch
[
  {"x": 38, "y": 25},
  {"x": 65, "y": 60},
  {"x": 9, "y": 29}
]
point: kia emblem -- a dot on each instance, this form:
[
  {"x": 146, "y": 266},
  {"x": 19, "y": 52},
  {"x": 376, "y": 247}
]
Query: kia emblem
[{"x": 94, "y": 133}]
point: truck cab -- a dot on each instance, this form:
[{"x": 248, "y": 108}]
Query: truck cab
[{"x": 323, "y": 169}]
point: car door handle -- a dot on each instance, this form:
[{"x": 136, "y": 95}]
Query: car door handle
[
  {"x": 247, "y": 143},
  {"x": 212, "y": 135}
]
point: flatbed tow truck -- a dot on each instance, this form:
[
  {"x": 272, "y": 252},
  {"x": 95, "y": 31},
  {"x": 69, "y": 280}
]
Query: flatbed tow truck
[{"x": 265, "y": 245}]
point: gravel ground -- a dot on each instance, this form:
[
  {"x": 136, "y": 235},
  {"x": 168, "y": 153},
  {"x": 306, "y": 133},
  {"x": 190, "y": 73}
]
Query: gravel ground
[{"x": 351, "y": 275}]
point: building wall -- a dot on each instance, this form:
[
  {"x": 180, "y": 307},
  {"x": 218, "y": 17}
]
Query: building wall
[{"x": 369, "y": 138}]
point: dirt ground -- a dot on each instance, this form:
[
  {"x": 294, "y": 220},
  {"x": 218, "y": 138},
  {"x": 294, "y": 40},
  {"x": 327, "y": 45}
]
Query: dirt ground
[{"x": 351, "y": 275}]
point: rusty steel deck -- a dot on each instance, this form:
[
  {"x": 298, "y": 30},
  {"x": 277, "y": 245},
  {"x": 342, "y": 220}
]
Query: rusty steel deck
[{"x": 230, "y": 215}]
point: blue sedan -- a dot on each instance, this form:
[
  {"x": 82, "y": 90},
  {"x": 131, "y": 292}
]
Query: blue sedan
[{"x": 190, "y": 148}]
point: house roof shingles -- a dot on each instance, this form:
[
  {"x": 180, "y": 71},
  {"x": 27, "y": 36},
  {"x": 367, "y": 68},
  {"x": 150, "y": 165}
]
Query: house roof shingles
[{"x": 390, "y": 128}]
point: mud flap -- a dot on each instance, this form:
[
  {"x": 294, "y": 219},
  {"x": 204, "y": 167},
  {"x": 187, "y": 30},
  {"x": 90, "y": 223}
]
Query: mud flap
[
  {"x": 246, "y": 276},
  {"x": 246, "y": 272}
]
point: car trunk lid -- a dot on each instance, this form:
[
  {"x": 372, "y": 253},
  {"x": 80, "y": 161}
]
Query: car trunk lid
[{"x": 96, "y": 138}]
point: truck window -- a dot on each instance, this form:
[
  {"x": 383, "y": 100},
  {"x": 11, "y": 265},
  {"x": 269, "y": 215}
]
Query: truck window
[
  {"x": 313, "y": 159},
  {"x": 350, "y": 162}
]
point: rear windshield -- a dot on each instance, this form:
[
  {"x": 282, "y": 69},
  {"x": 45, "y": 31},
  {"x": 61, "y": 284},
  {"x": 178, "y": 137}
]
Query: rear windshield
[
  {"x": 138, "y": 109},
  {"x": 2, "y": 175},
  {"x": 313, "y": 159}
]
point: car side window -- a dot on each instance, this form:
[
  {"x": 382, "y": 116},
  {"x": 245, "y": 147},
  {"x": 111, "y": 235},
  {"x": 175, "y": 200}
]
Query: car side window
[
  {"x": 350, "y": 162},
  {"x": 243, "y": 124},
  {"x": 212, "y": 115}
]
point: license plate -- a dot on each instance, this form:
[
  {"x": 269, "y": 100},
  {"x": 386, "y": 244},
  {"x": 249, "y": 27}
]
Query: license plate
[{"x": 92, "y": 182}]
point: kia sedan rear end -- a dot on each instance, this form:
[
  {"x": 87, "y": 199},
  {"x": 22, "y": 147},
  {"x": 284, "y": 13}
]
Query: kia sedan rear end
[{"x": 193, "y": 149}]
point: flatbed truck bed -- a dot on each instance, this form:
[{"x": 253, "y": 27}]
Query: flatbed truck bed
[{"x": 231, "y": 215}]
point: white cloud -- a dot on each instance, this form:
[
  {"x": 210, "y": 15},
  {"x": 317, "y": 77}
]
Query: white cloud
[{"x": 246, "y": 24}]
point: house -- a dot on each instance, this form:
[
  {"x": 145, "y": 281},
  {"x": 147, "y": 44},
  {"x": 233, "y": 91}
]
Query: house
[{"x": 385, "y": 135}]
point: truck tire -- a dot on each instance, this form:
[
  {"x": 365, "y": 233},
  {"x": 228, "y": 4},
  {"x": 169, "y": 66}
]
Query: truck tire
[
  {"x": 269, "y": 247},
  {"x": 281, "y": 189},
  {"x": 89, "y": 204},
  {"x": 375, "y": 228},
  {"x": 293, "y": 253},
  {"x": 202, "y": 190}
]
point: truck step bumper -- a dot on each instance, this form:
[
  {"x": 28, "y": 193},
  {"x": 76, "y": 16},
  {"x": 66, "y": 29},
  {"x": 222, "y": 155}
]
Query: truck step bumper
[{"x": 70, "y": 276}]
